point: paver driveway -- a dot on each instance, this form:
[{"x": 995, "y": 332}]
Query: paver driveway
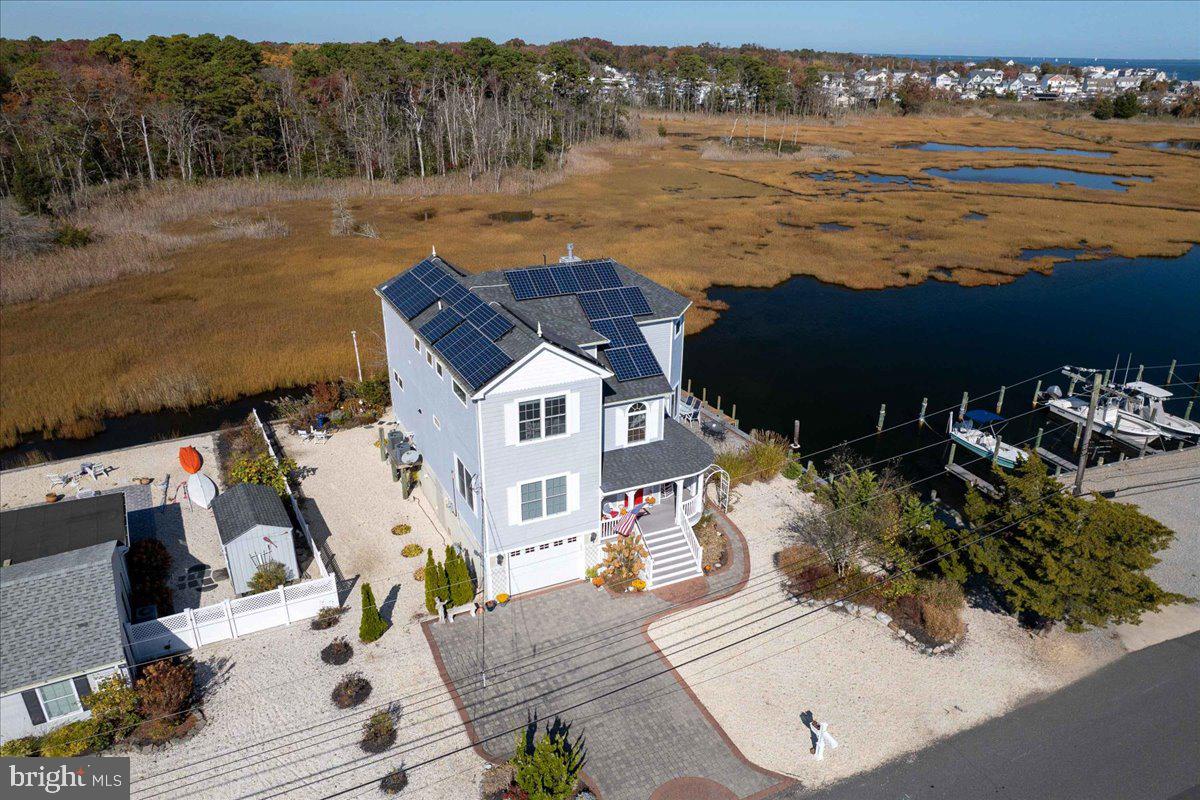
[{"x": 579, "y": 657}]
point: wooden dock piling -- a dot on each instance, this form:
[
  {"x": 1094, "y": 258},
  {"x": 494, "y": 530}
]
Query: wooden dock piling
[
  {"x": 1171, "y": 373},
  {"x": 1000, "y": 400},
  {"x": 1141, "y": 368},
  {"x": 796, "y": 435},
  {"x": 962, "y": 408},
  {"x": 921, "y": 416},
  {"x": 1037, "y": 390},
  {"x": 882, "y": 414},
  {"x": 1037, "y": 440}
]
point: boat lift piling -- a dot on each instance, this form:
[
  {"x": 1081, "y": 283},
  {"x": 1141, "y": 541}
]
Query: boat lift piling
[
  {"x": 1037, "y": 390},
  {"x": 1000, "y": 400},
  {"x": 882, "y": 414},
  {"x": 962, "y": 408},
  {"x": 921, "y": 416}
]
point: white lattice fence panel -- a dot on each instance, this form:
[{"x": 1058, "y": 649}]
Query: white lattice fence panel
[{"x": 160, "y": 637}]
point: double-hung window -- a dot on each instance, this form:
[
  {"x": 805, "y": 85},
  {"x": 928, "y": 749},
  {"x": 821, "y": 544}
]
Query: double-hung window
[
  {"x": 465, "y": 484},
  {"x": 59, "y": 699},
  {"x": 459, "y": 392},
  {"x": 542, "y": 418},
  {"x": 545, "y": 498}
]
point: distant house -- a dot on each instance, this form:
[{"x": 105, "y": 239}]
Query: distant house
[
  {"x": 945, "y": 80},
  {"x": 64, "y": 602},
  {"x": 1061, "y": 85},
  {"x": 255, "y": 530}
]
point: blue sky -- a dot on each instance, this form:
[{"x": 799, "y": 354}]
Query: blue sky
[{"x": 1065, "y": 29}]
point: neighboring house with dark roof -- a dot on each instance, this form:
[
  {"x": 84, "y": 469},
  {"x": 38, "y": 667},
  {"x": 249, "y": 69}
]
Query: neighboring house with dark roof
[
  {"x": 64, "y": 602},
  {"x": 543, "y": 402},
  {"x": 255, "y": 529}
]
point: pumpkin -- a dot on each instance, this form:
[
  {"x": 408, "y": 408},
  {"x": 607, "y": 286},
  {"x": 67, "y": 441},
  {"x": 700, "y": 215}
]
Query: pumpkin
[{"x": 190, "y": 460}]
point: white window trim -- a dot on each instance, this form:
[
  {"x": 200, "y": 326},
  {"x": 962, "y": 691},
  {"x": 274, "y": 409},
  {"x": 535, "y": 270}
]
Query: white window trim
[
  {"x": 417, "y": 344},
  {"x": 75, "y": 692},
  {"x": 398, "y": 379},
  {"x": 541, "y": 400},
  {"x": 469, "y": 495},
  {"x": 566, "y": 476},
  {"x": 437, "y": 423},
  {"x": 459, "y": 392},
  {"x": 629, "y": 413}
]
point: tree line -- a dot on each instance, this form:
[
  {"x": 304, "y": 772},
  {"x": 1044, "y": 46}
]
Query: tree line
[{"x": 79, "y": 113}]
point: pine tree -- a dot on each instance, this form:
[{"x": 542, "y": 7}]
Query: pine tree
[
  {"x": 546, "y": 770},
  {"x": 1065, "y": 558},
  {"x": 441, "y": 583},
  {"x": 462, "y": 591},
  {"x": 372, "y": 625},
  {"x": 431, "y": 582}
]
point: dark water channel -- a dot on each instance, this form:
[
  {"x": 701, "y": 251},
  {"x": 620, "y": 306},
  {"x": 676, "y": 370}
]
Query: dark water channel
[
  {"x": 940, "y": 147},
  {"x": 829, "y": 356}
]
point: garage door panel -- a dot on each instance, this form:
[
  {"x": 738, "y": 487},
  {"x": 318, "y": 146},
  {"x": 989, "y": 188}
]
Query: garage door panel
[{"x": 544, "y": 564}]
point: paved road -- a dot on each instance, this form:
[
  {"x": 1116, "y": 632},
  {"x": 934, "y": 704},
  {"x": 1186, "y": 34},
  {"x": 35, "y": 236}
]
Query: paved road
[{"x": 1131, "y": 731}]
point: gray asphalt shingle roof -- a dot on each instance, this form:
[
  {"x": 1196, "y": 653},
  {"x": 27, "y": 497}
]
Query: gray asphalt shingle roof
[
  {"x": 47, "y": 529},
  {"x": 59, "y": 617},
  {"x": 242, "y": 507},
  {"x": 562, "y": 321},
  {"x": 679, "y": 453}
]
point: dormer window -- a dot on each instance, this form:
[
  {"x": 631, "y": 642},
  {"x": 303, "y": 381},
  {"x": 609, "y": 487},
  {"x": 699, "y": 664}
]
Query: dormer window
[{"x": 637, "y": 423}]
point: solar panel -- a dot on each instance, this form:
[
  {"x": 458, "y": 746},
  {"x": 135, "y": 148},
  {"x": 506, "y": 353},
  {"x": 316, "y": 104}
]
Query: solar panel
[
  {"x": 521, "y": 284},
  {"x": 441, "y": 284},
  {"x": 467, "y": 304},
  {"x": 606, "y": 273},
  {"x": 496, "y": 327},
  {"x": 424, "y": 270},
  {"x": 543, "y": 282},
  {"x": 620, "y": 331},
  {"x": 409, "y": 295},
  {"x": 614, "y": 302},
  {"x": 455, "y": 294},
  {"x": 470, "y": 353},
  {"x": 442, "y": 323},
  {"x": 635, "y": 300},
  {"x": 633, "y": 362},
  {"x": 564, "y": 279},
  {"x": 585, "y": 276},
  {"x": 593, "y": 306}
]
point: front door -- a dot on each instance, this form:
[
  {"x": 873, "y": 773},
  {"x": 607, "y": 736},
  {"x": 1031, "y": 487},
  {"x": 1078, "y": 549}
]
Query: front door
[{"x": 638, "y": 495}]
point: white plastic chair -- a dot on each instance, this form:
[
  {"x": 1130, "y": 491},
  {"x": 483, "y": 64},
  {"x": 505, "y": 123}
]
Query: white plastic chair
[
  {"x": 691, "y": 410},
  {"x": 318, "y": 436},
  {"x": 60, "y": 480}
]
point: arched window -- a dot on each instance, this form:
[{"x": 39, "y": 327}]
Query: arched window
[{"x": 637, "y": 423}]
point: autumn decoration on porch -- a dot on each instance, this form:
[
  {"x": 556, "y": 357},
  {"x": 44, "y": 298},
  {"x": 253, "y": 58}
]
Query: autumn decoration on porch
[
  {"x": 639, "y": 585},
  {"x": 502, "y": 598}
]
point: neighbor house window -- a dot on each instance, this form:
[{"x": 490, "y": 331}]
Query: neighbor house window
[
  {"x": 678, "y": 325},
  {"x": 464, "y": 481},
  {"x": 59, "y": 699},
  {"x": 542, "y": 418},
  {"x": 399, "y": 380},
  {"x": 429, "y": 357},
  {"x": 439, "y": 369},
  {"x": 637, "y": 423},
  {"x": 544, "y": 498},
  {"x": 437, "y": 423},
  {"x": 459, "y": 392},
  {"x": 416, "y": 344}
]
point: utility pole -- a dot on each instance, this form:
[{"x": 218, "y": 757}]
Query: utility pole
[
  {"x": 357, "y": 360},
  {"x": 1087, "y": 434}
]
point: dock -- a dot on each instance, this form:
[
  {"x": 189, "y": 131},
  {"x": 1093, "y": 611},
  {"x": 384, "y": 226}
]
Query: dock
[
  {"x": 715, "y": 414},
  {"x": 971, "y": 479},
  {"x": 1059, "y": 463}
]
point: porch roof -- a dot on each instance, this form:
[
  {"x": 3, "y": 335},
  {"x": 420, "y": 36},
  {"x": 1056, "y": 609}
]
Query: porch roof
[{"x": 678, "y": 454}]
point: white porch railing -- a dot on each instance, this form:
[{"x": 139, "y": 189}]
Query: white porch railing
[
  {"x": 230, "y": 619},
  {"x": 608, "y": 528},
  {"x": 693, "y": 507},
  {"x": 682, "y": 518}
]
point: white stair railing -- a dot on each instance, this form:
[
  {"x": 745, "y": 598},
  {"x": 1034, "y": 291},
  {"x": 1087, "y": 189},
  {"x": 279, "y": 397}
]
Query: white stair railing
[{"x": 688, "y": 533}]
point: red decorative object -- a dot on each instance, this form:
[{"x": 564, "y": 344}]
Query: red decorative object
[{"x": 190, "y": 460}]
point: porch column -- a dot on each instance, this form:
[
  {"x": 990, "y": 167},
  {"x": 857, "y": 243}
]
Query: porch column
[{"x": 679, "y": 498}]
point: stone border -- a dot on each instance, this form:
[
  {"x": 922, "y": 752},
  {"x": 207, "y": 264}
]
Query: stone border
[{"x": 870, "y": 614}]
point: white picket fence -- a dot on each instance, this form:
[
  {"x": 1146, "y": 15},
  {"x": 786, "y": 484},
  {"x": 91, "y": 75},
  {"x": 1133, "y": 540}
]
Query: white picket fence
[{"x": 230, "y": 619}]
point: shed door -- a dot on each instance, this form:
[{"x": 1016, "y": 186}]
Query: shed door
[{"x": 545, "y": 564}]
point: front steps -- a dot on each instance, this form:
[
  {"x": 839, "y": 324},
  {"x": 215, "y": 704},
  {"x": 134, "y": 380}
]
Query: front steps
[{"x": 673, "y": 559}]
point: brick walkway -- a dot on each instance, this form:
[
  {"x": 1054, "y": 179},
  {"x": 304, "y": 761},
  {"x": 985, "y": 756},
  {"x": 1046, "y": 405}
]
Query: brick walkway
[{"x": 579, "y": 658}]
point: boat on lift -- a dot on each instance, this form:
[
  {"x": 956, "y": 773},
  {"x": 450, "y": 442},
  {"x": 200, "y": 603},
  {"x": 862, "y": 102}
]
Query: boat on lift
[
  {"x": 1146, "y": 401},
  {"x": 1111, "y": 420},
  {"x": 979, "y": 432}
]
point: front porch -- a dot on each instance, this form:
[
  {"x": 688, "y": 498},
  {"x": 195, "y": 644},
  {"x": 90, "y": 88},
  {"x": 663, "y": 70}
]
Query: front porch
[{"x": 666, "y": 478}]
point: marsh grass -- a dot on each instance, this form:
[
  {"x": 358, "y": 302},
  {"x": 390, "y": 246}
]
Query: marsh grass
[{"x": 166, "y": 311}]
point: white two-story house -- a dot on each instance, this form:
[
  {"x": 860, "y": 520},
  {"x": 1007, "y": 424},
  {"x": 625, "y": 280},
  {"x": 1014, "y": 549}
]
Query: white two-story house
[{"x": 543, "y": 402}]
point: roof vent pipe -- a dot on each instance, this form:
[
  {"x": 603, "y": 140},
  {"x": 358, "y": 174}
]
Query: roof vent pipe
[
  {"x": 570, "y": 257},
  {"x": 539, "y": 329}
]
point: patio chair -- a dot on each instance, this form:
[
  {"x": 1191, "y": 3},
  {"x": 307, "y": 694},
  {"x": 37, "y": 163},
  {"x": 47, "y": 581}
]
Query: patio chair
[
  {"x": 690, "y": 412},
  {"x": 319, "y": 436},
  {"x": 304, "y": 435},
  {"x": 57, "y": 479}
]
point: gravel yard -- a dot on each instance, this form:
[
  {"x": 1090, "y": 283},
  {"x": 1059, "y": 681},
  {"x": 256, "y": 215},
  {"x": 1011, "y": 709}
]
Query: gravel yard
[
  {"x": 881, "y": 699},
  {"x": 273, "y": 731}
]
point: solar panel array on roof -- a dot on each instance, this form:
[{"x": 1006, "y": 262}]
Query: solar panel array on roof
[
  {"x": 633, "y": 362},
  {"x": 536, "y": 282},
  {"x": 472, "y": 355},
  {"x": 442, "y": 323},
  {"x": 620, "y": 331},
  {"x": 409, "y": 295}
]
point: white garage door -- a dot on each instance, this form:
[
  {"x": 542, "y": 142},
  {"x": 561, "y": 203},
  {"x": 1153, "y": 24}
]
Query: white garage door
[{"x": 544, "y": 564}]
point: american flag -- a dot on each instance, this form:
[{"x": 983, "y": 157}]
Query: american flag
[{"x": 625, "y": 527}]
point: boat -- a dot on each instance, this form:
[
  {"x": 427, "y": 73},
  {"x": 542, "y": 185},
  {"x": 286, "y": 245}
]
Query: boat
[
  {"x": 201, "y": 490},
  {"x": 978, "y": 431},
  {"x": 1110, "y": 421},
  {"x": 1146, "y": 401}
]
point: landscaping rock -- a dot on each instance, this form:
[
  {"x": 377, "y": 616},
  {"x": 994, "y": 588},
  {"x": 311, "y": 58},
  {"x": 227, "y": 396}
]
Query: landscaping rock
[{"x": 882, "y": 617}]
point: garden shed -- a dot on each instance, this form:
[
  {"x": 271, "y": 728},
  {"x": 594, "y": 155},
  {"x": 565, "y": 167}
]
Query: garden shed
[{"x": 255, "y": 529}]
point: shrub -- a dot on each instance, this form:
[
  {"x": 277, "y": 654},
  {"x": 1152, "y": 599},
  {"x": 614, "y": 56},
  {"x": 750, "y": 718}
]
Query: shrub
[
  {"x": 166, "y": 687},
  {"x": 68, "y": 235},
  {"x": 394, "y": 782},
  {"x": 372, "y": 625},
  {"x": 941, "y": 603},
  {"x": 327, "y": 617},
  {"x": 325, "y": 397},
  {"x": 337, "y": 652},
  {"x": 268, "y": 577},
  {"x": 21, "y": 748},
  {"x": 372, "y": 391},
  {"x": 1126, "y": 106},
  {"x": 70, "y": 741},
  {"x": 638, "y": 584},
  {"x": 767, "y": 455},
  {"x": 547, "y": 769},
  {"x": 437, "y": 587},
  {"x": 1103, "y": 108},
  {"x": 411, "y": 550},
  {"x": 114, "y": 707},
  {"x": 662, "y": 129},
  {"x": 419, "y": 574},
  {"x": 402, "y": 529},
  {"x": 624, "y": 559},
  {"x": 263, "y": 470},
  {"x": 148, "y": 563},
  {"x": 351, "y": 690},
  {"x": 379, "y": 732},
  {"x": 793, "y": 470},
  {"x": 714, "y": 542},
  {"x": 462, "y": 589}
]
